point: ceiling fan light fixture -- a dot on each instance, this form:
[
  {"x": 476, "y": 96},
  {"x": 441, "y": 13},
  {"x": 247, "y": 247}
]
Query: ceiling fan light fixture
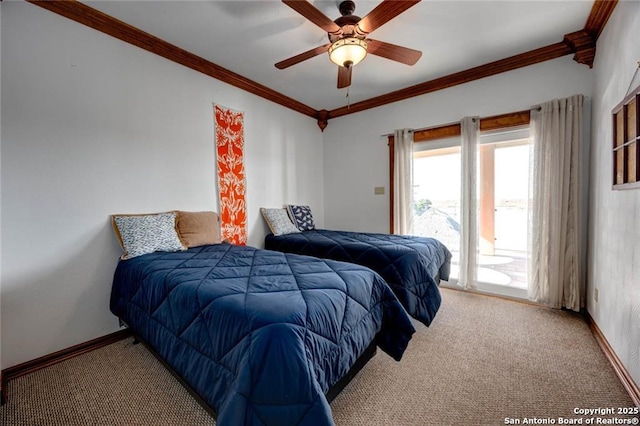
[{"x": 348, "y": 51}]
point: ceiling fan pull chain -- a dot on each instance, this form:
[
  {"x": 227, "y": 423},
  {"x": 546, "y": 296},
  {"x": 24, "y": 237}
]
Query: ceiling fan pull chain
[{"x": 348, "y": 100}]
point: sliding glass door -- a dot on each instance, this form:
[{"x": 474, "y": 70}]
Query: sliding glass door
[
  {"x": 437, "y": 204},
  {"x": 503, "y": 188}
]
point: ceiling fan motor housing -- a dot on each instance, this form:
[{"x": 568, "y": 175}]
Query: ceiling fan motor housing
[
  {"x": 347, "y": 7},
  {"x": 347, "y": 23}
]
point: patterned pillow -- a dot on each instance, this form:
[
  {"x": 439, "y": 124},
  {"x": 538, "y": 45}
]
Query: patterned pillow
[
  {"x": 142, "y": 234},
  {"x": 301, "y": 217},
  {"x": 278, "y": 221}
]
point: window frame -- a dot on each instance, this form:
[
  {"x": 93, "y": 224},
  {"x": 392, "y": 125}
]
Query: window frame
[
  {"x": 625, "y": 119},
  {"x": 496, "y": 122}
]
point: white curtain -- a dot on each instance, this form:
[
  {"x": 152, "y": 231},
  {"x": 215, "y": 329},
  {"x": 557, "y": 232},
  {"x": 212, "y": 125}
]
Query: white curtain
[
  {"x": 403, "y": 182},
  {"x": 555, "y": 222},
  {"x": 468, "y": 277}
]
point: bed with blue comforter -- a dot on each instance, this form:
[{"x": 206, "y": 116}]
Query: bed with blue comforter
[
  {"x": 413, "y": 266},
  {"x": 259, "y": 335}
]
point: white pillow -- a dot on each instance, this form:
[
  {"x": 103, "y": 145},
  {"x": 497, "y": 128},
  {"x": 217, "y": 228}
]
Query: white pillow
[
  {"x": 278, "y": 221},
  {"x": 142, "y": 234}
]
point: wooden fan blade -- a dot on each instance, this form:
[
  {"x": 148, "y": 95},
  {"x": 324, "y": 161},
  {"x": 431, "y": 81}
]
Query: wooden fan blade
[
  {"x": 393, "y": 52},
  {"x": 344, "y": 77},
  {"x": 303, "y": 56},
  {"x": 383, "y": 13},
  {"x": 310, "y": 12}
]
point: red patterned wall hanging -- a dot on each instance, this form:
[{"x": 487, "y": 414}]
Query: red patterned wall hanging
[{"x": 229, "y": 127}]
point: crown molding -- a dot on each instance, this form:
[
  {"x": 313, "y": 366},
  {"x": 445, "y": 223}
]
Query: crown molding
[
  {"x": 531, "y": 57},
  {"x": 102, "y": 22},
  {"x": 582, "y": 44},
  {"x": 600, "y": 13}
]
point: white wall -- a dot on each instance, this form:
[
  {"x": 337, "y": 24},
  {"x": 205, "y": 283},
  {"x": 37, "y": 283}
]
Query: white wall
[
  {"x": 356, "y": 155},
  {"x": 614, "y": 251},
  {"x": 94, "y": 126}
]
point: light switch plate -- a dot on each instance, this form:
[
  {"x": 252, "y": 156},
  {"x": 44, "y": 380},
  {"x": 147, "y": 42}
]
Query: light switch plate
[{"x": 378, "y": 190}]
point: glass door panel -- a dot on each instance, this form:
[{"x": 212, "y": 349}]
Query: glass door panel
[
  {"x": 502, "y": 210},
  {"x": 437, "y": 199}
]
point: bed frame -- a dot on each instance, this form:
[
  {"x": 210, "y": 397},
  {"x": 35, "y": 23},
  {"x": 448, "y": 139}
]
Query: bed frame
[{"x": 333, "y": 391}]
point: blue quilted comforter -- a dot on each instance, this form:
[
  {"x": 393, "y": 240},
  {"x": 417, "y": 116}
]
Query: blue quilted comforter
[
  {"x": 412, "y": 266},
  {"x": 259, "y": 335}
]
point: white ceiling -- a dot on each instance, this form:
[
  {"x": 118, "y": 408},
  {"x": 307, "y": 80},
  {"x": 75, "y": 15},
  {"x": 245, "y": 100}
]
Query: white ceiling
[{"x": 249, "y": 37}]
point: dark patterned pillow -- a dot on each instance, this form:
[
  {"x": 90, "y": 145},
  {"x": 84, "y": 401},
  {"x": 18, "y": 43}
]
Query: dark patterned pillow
[{"x": 301, "y": 217}]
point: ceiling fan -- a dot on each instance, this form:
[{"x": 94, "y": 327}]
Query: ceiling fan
[{"x": 348, "y": 42}]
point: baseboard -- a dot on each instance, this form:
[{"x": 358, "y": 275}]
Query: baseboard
[
  {"x": 14, "y": 372},
  {"x": 622, "y": 373}
]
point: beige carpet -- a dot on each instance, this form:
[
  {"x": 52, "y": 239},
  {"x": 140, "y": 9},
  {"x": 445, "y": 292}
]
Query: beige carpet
[{"x": 482, "y": 360}]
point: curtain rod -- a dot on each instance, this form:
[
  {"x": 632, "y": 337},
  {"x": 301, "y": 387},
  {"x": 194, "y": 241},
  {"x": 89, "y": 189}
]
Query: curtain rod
[
  {"x": 424, "y": 128},
  {"x": 535, "y": 107}
]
